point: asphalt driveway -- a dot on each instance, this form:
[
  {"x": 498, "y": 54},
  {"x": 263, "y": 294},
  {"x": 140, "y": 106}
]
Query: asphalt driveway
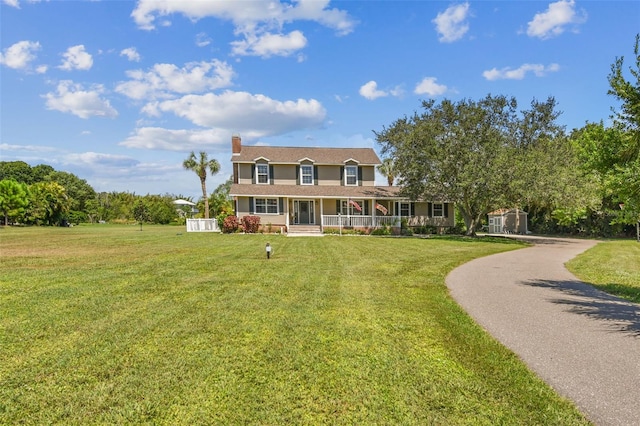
[{"x": 581, "y": 341}]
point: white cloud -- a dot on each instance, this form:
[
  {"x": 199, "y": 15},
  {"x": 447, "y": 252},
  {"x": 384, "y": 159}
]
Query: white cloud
[
  {"x": 553, "y": 21},
  {"x": 131, "y": 53},
  {"x": 519, "y": 73},
  {"x": 164, "y": 80},
  {"x": 428, "y": 86},
  {"x": 178, "y": 140},
  {"x": 99, "y": 159},
  {"x": 259, "y": 23},
  {"x": 16, "y": 3},
  {"x": 74, "y": 99},
  {"x": 19, "y": 55},
  {"x": 246, "y": 112},
  {"x": 202, "y": 40},
  {"x": 76, "y": 58},
  {"x": 29, "y": 148},
  {"x": 370, "y": 91},
  {"x": 266, "y": 45},
  {"x": 245, "y": 15},
  {"x": 452, "y": 24}
]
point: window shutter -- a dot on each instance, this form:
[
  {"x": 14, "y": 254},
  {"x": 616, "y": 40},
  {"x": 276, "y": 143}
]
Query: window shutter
[
  {"x": 337, "y": 206},
  {"x": 445, "y": 207},
  {"x": 359, "y": 176},
  {"x": 413, "y": 208},
  {"x": 251, "y": 205},
  {"x": 253, "y": 173},
  {"x": 396, "y": 207},
  {"x": 430, "y": 209},
  {"x": 342, "y": 176},
  {"x": 270, "y": 174},
  {"x": 315, "y": 175},
  {"x": 366, "y": 207},
  {"x": 297, "y": 175},
  {"x": 281, "y": 205}
]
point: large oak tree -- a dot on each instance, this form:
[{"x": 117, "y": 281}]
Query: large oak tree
[{"x": 481, "y": 155}]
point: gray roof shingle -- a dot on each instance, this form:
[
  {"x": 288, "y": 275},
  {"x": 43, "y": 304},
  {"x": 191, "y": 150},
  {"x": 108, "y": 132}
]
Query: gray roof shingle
[{"x": 291, "y": 155}]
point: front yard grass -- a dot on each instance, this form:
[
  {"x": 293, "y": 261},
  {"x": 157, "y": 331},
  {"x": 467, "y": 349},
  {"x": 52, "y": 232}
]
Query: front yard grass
[
  {"x": 107, "y": 324},
  {"x": 612, "y": 266}
]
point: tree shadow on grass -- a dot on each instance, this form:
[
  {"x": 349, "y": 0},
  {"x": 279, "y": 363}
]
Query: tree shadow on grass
[{"x": 583, "y": 299}]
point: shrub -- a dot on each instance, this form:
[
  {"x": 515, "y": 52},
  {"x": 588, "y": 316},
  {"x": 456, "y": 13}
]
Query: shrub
[
  {"x": 251, "y": 224},
  {"x": 230, "y": 224}
]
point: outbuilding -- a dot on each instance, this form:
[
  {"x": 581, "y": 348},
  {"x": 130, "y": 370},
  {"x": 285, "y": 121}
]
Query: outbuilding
[{"x": 508, "y": 221}]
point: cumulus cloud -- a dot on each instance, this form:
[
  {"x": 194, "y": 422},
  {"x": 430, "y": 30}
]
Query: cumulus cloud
[
  {"x": 164, "y": 80},
  {"x": 76, "y": 58},
  {"x": 555, "y": 19},
  {"x": 72, "y": 98},
  {"x": 428, "y": 86},
  {"x": 131, "y": 53},
  {"x": 241, "y": 110},
  {"x": 370, "y": 91},
  {"x": 519, "y": 73},
  {"x": 258, "y": 22},
  {"x": 267, "y": 45},
  {"x": 178, "y": 139},
  {"x": 452, "y": 24},
  {"x": 20, "y": 55}
]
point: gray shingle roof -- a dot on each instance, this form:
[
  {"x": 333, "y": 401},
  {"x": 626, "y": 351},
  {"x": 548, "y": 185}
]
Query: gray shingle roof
[{"x": 276, "y": 154}]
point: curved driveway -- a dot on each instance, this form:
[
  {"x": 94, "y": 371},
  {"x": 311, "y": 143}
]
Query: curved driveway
[{"x": 584, "y": 343}]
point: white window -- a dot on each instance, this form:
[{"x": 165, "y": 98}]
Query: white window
[
  {"x": 262, "y": 172},
  {"x": 306, "y": 175},
  {"x": 350, "y": 208},
  {"x": 351, "y": 175},
  {"x": 405, "y": 209},
  {"x": 267, "y": 205},
  {"x": 438, "y": 209}
]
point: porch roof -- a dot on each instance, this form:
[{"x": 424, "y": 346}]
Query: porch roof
[{"x": 316, "y": 191}]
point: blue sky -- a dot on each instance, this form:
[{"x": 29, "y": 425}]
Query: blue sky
[{"x": 119, "y": 92}]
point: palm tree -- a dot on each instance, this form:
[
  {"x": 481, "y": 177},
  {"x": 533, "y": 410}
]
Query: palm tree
[
  {"x": 387, "y": 170},
  {"x": 200, "y": 168}
]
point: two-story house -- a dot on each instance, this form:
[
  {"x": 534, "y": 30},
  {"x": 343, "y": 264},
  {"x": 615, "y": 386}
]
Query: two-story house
[{"x": 295, "y": 187}]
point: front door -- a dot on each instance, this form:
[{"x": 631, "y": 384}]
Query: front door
[{"x": 304, "y": 212}]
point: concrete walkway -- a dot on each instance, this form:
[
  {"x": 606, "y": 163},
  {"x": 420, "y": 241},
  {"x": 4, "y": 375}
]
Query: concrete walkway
[{"x": 581, "y": 341}]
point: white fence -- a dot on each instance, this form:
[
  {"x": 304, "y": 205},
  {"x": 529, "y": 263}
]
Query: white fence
[
  {"x": 202, "y": 225},
  {"x": 358, "y": 221}
]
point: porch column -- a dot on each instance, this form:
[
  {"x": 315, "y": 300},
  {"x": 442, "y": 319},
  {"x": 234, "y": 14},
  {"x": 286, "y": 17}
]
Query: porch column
[
  {"x": 373, "y": 213},
  {"x": 321, "y": 214}
]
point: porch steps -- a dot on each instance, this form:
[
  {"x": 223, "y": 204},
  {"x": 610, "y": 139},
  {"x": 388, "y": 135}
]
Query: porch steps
[{"x": 304, "y": 230}]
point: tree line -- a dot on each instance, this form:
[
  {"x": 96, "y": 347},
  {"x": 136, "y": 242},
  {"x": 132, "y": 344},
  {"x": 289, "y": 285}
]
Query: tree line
[
  {"x": 41, "y": 195},
  {"x": 488, "y": 154}
]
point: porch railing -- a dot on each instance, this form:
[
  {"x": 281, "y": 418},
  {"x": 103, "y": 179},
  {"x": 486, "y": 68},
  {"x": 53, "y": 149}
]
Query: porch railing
[{"x": 359, "y": 221}]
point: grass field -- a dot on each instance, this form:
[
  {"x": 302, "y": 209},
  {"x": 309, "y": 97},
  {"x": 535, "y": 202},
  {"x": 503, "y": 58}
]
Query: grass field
[
  {"x": 612, "y": 266},
  {"x": 107, "y": 324}
]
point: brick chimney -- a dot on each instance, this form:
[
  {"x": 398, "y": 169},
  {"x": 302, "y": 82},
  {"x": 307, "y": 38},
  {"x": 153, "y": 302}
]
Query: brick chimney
[{"x": 236, "y": 144}]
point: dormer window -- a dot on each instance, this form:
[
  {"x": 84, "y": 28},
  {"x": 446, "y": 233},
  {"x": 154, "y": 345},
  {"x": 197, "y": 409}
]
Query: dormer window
[
  {"x": 351, "y": 175},
  {"x": 306, "y": 175},
  {"x": 262, "y": 173}
]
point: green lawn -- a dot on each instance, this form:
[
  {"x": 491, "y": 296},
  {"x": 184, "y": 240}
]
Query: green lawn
[
  {"x": 106, "y": 324},
  {"x": 612, "y": 266}
]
